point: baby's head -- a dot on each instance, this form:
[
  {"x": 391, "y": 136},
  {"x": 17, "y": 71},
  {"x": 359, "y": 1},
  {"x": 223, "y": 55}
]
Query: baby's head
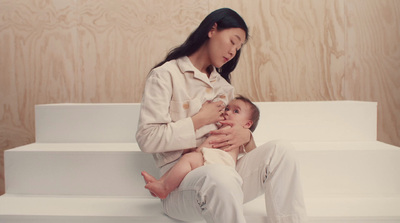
[{"x": 243, "y": 111}]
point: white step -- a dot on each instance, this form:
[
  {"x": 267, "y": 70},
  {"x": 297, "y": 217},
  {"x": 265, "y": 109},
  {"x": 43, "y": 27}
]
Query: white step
[
  {"x": 297, "y": 121},
  {"x": 317, "y": 121},
  {"x": 59, "y": 209},
  {"x": 115, "y": 123},
  {"x": 80, "y": 209},
  {"x": 98, "y": 169},
  {"x": 85, "y": 165},
  {"x": 114, "y": 169},
  {"x": 349, "y": 168}
]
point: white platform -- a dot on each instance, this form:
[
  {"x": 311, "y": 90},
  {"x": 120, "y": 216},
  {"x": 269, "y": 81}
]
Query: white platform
[
  {"x": 107, "y": 169},
  {"x": 85, "y": 165},
  {"x": 55, "y": 209}
]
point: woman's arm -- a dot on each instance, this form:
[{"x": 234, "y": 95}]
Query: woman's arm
[
  {"x": 157, "y": 132},
  {"x": 233, "y": 137},
  {"x": 210, "y": 112}
]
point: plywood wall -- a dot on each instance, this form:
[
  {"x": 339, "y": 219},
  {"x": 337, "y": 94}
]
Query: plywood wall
[{"x": 58, "y": 51}]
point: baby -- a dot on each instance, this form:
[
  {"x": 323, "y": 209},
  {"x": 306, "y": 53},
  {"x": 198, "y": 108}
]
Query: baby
[{"x": 242, "y": 111}]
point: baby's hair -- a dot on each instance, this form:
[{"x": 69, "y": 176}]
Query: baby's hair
[{"x": 255, "y": 112}]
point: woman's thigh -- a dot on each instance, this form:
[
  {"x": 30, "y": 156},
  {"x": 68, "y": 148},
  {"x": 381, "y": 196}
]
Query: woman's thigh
[
  {"x": 202, "y": 191},
  {"x": 255, "y": 166}
]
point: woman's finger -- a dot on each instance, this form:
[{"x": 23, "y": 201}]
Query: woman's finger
[
  {"x": 223, "y": 142},
  {"x": 221, "y": 131}
]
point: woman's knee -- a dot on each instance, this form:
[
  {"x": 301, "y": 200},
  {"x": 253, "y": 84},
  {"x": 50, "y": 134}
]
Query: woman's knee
[
  {"x": 222, "y": 174},
  {"x": 278, "y": 155},
  {"x": 222, "y": 185},
  {"x": 220, "y": 179},
  {"x": 280, "y": 148}
]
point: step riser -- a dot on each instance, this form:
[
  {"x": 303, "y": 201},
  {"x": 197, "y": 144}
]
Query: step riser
[
  {"x": 118, "y": 173},
  {"x": 77, "y": 173},
  {"x": 317, "y": 121},
  {"x": 44, "y": 219},
  {"x": 63, "y": 123},
  {"x": 64, "y": 219},
  {"x": 356, "y": 173},
  {"x": 322, "y": 121}
]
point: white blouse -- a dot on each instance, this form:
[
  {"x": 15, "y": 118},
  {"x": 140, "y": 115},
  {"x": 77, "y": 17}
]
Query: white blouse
[{"x": 173, "y": 93}]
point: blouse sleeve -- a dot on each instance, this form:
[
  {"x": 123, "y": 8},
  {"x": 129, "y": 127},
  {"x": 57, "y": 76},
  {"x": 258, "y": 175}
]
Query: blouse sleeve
[{"x": 156, "y": 132}]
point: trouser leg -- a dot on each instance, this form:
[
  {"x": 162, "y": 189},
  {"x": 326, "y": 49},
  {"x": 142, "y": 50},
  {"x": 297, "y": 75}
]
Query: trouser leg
[
  {"x": 272, "y": 169},
  {"x": 212, "y": 192}
]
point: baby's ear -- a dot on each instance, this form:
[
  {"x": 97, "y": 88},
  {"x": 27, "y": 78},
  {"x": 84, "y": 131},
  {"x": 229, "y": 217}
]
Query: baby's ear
[{"x": 248, "y": 124}]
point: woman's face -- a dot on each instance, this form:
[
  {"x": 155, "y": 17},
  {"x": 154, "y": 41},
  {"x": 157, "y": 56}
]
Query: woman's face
[{"x": 223, "y": 44}]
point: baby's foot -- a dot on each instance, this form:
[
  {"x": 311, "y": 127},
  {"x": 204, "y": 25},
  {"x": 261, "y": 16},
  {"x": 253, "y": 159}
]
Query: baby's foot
[
  {"x": 148, "y": 179},
  {"x": 158, "y": 189}
]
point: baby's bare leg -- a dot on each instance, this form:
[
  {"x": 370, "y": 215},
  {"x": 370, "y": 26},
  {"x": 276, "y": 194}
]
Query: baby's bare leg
[{"x": 173, "y": 178}]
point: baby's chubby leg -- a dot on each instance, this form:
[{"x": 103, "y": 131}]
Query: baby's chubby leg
[{"x": 172, "y": 179}]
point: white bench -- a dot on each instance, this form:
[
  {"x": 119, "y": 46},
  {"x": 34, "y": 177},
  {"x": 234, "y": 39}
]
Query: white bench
[{"x": 85, "y": 165}]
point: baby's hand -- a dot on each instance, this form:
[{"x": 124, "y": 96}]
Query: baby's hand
[{"x": 210, "y": 112}]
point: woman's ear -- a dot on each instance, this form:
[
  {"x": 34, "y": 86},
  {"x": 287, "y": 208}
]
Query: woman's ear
[{"x": 212, "y": 30}]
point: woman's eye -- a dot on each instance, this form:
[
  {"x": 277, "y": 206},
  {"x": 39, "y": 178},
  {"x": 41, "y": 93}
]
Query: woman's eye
[
  {"x": 233, "y": 44},
  {"x": 226, "y": 109},
  {"x": 236, "y": 111}
]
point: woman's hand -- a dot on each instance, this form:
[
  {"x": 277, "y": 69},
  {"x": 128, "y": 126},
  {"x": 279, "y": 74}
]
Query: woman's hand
[
  {"x": 231, "y": 138},
  {"x": 210, "y": 112}
]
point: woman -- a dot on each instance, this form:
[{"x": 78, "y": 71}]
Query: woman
[{"x": 183, "y": 98}]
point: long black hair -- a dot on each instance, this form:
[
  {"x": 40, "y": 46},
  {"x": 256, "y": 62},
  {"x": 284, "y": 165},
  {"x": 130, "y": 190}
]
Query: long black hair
[{"x": 225, "y": 18}]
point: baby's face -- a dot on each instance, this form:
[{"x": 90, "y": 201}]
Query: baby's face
[{"x": 238, "y": 111}]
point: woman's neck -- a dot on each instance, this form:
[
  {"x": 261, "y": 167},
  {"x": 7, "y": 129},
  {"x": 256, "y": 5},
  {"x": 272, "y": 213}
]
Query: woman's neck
[{"x": 201, "y": 61}]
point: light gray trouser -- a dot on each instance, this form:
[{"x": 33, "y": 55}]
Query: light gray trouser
[{"x": 216, "y": 192}]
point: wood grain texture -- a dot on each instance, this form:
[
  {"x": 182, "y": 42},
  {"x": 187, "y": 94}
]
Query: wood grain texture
[
  {"x": 296, "y": 51},
  {"x": 37, "y": 57},
  {"x": 119, "y": 41},
  {"x": 373, "y": 61},
  {"x": 58, "y": 51}
]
